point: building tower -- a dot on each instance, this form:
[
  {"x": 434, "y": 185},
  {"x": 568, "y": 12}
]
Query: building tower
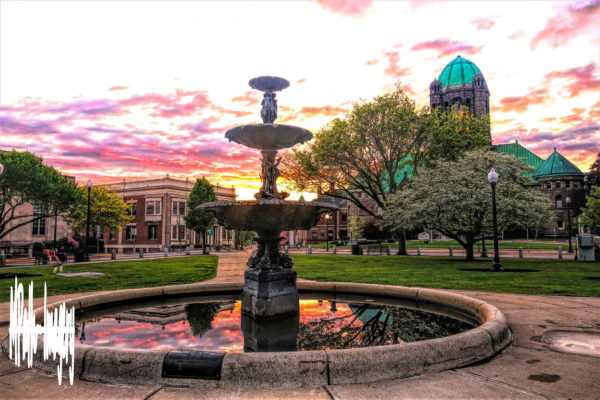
[{"x": 460, "y": 86}]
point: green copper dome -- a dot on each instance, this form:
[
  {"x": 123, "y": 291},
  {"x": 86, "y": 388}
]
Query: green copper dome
[
  {"x": 556, "y": 165},
  {"x": 458, "y": 72}
]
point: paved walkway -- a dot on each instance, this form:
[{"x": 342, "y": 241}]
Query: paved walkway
[{"x": 528, "y": 369}]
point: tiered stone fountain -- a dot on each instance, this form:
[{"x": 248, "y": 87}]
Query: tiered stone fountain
[{"x": 269, "y": 283}]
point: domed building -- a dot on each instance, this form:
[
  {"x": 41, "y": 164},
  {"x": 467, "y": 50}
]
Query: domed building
[{"x": 460, "y": 86}]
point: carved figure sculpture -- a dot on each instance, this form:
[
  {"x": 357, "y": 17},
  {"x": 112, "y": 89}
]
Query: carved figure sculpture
[{"x": 269, "y": 108}]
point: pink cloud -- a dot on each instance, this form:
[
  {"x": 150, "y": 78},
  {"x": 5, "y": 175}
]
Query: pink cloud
[
  {"x": 393, "y": 69},
  {"x": 118, "y": 88},
  {"x": 484, "y": 23},
  {"x": 445, "y": 47},
  {"x": 581, "y": 79},
  {"x": 521, "y": 103},
  {"x": 568, "y": 24},
  {"x": 353, "y": 8}
]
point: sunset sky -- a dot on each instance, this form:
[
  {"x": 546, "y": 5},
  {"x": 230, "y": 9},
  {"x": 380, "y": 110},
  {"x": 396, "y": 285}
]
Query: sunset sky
[{"x": 111, "y": 90}]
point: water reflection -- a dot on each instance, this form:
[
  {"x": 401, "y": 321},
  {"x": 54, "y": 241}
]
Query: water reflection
[{"x": 220, "y": 326}]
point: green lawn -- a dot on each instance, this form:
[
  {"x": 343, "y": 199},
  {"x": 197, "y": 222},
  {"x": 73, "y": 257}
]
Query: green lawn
[
  {"x": 527, "y": 276},
  {"x": 117, "y": 275},
  {"x": 444, "y": 244}
]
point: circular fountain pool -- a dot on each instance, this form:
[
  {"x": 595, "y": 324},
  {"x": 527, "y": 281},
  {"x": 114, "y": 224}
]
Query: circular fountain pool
[
  {"x": 233, "y": 368},
  {"x": 324, "y": 323}
]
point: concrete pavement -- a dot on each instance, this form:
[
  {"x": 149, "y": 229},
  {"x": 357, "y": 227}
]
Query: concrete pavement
[{"x": 528, "y": 369}]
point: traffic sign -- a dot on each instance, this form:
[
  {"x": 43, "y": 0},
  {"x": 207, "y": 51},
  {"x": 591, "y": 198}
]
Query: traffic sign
[{"x": 210, "y": 232}]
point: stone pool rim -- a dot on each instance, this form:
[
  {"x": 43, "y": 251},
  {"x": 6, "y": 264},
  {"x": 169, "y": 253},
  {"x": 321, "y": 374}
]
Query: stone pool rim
[{"x": 315, "y": 368}]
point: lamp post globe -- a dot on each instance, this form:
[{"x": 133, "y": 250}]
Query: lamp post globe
[
  {"x": 493, "y": 179},
  {"x": 568, "y": 202},
  {"x": 87, "y": 225}
]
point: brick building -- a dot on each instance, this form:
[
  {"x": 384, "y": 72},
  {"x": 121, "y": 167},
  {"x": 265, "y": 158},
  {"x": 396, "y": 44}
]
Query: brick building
[{"x": 158, "y": 207}]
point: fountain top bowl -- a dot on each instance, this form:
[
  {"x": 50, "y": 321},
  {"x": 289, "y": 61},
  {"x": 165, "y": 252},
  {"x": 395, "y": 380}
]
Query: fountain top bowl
[
  {"x": 268, "y": 136},
  {"x": 268, "y": 214},
  {"x": 269, "y": 83}
]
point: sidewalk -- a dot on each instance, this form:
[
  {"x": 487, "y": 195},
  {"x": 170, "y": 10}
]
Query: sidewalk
[{"x": 527, "y": 369}]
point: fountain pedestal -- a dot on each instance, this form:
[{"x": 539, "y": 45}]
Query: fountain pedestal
[{"x": 269, "y": 293}]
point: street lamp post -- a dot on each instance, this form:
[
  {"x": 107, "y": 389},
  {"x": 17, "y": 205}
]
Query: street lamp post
[
  {"x": 493, "y": 178},
  {"x": 327, "y": 216},
  {"x": 87, "y": 227},
  {"x": 568, "y": 201}
]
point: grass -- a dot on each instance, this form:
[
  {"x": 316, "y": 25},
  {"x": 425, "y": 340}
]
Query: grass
[
  {"x": 444, "y": 244},
  {"x": 117, "y": 275},
  {"x": 526, "y": 276}
]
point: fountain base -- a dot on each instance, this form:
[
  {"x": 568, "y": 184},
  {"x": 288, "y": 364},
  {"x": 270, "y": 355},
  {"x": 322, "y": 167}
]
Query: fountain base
[{"x": 269, "y": 293}]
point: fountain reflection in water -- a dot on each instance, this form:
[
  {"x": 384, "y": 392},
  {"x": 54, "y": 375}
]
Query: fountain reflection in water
[{"x": 269, "y": 283}]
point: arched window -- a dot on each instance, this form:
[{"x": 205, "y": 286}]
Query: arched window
[{"x": 558, "y": 201}]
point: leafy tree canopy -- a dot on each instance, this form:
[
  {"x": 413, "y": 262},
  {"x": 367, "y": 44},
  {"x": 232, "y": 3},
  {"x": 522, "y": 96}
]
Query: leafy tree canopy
[
  {"x": 454, "y": 197},
  {"x": 26, "y": 180},
  {"x": 591, "y": 212},
  {"x": 200, "y": 220},
  {"x": 107, "y": 209}
]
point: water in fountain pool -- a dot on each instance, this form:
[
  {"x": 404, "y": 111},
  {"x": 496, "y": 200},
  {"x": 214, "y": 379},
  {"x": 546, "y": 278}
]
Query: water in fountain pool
[{"x": 220, "y": 326}]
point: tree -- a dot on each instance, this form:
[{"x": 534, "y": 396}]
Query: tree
[
  {"x": 107, "y": 209},
  {"x": 455, "y": 134},
  {"x": 594, "y": 174},
  {"x": 370, "y": 151},
  {"x": 454, "y": 197},
  {"x": 356, "y": 226},
  {"x": 26, "y": 180},
  {"x": 591, "y": 212},
  {"x": 375, "y": 149},
  {"x": 199, "y": 220}
]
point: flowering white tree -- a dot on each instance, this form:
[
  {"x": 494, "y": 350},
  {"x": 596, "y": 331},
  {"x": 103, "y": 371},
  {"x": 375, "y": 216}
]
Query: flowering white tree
[{"x": 454, "y": 198}]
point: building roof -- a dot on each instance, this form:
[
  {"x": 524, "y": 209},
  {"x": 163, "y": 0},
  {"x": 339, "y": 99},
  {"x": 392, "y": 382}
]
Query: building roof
[
  {"x": 458, "y": 72},
  {"x": 556, "y": 165},
  {"x": 518, "y": 151}
]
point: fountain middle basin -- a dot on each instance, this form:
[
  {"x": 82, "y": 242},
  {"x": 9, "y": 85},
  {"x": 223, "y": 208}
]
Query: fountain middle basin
[{"x": 313, "y": 368}]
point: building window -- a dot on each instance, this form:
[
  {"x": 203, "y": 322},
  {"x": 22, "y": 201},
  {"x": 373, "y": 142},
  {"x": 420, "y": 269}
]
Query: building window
[
  {"x": 344, "y": 217},
  {"x": 224, "y": 234},
  {"x": 567, "y": 184},
  {"x": 130, "y": 232},
  {"x": 557, "y": 184},
  {"x": 178, "y": 232},
  {"x": 152, "y": 232},
  {"x": 39, "y": 226},
  {"x": 132, "y": 209},
  {"x": 112, "y": 234},
  {"x": 330, "y": 235},
  {"x": 179, "y": 208},
  {"x": 559, "y": 222},
  {"x": 153, "y": 207},
  {"x": 548, "y": 185},
  {"x": 322, "y": 233},
  {"x": 576, "y": 184},
  {"x": 558, "y": 201},
  {"x": 313, "y": 235}
]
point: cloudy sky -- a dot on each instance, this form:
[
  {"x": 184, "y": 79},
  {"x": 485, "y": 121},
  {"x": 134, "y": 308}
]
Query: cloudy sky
[{"x": 111, "y": 90}]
